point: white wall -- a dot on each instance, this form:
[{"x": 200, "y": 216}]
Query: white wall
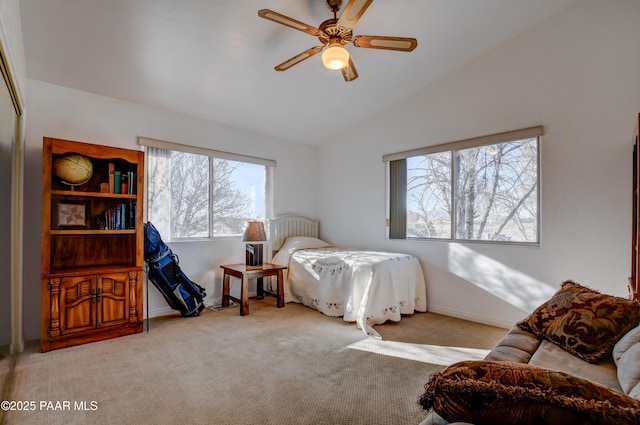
[
  {"x": 11, "y": 37},
  {"x": 74, "y": 115},
  {"x": 578, "y": 75}
]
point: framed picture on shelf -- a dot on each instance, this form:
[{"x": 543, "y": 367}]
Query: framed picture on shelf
[{"x": 70, "y": 214}]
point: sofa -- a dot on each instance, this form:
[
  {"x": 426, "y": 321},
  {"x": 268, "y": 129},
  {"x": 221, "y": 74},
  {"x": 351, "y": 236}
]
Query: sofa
[{"x": 575, "y": 359}]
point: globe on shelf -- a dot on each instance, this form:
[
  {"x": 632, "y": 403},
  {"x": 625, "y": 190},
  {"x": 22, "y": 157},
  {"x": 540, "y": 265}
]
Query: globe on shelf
[{"x": 73, "y": 169}]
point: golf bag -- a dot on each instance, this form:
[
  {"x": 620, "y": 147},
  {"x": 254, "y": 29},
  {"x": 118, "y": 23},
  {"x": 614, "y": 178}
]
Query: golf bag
[{"x": 164, "y": 272}]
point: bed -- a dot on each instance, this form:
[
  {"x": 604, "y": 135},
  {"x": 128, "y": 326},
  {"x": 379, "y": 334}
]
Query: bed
[{"x": 366, "y": 287}]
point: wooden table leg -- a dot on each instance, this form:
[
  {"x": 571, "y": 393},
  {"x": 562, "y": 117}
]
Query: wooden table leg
[
  {"x": 244, "y": 296},
  {"x": 225, "y": 290},
  {"x": 280, "y": 290},
  {"x": 260, "y": 288}
]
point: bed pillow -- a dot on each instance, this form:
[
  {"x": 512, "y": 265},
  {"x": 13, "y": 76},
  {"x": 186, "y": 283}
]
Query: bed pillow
[
  {"x": 583, "y": 321},
  {"x": 295, "y": 243},
  {"x": 302, "y": 242},
  {"x": 495, "y": 393}
]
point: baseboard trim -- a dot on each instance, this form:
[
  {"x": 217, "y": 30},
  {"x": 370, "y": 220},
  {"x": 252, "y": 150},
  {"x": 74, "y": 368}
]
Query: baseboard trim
[
  {"x": 447, "y": 311},
  {"x": 166, "y": 310}
]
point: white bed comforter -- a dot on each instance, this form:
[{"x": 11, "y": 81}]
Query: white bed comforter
[{"x": 366, "y": 287}]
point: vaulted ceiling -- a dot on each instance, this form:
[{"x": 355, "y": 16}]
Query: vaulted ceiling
[{"x": 214, "y": 59}]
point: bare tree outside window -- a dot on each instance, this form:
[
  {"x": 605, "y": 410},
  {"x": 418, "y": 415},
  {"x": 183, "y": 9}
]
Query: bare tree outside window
[
  {"x": 197, "y": 196},
  {"x": 429, "y": 196},
  {"x": 189, "y": 195},
  {"x": 232, "y": 207},
  {"x": 494, "y": 198}
]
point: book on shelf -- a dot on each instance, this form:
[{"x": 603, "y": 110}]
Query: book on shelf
[
  {"x": 117, "y": 181},
  {"x": 124, "y": 183},
  {"x": 112, "y": 170},
  {"x": 132, "y": 183},
  {"x": 121, "y": 217}
]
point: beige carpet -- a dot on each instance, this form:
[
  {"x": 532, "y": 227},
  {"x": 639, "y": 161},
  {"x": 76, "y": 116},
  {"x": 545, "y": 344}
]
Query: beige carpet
[
  {"x": 6, "y": 373},
  {"x": 275, "y": 366}
]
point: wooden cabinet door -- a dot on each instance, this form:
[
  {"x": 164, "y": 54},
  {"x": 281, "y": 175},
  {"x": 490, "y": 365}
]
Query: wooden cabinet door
[
  {"x": 113, "y": 299},
  {"x": 77, "y": 301}
]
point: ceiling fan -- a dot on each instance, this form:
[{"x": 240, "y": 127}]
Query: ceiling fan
[{"x": 335, "y": 33}]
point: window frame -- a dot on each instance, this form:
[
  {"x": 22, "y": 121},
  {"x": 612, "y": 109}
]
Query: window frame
[
  {"x": 393, "y": 224},
  {"x": 212, "y": 154}
]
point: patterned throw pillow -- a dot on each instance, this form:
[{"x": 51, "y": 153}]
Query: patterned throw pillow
[
  {"x": 506, "y": 393},
  {"x": 583, "y": 321}
]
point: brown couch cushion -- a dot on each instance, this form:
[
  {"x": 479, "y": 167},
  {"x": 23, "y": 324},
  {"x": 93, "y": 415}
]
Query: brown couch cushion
[
  {"x": 583, "y": 321},
  {"x": 495, "y": 393}
]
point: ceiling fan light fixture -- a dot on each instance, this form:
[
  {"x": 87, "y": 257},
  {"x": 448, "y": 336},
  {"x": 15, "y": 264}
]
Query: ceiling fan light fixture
[{"x": 335, "y": 57}]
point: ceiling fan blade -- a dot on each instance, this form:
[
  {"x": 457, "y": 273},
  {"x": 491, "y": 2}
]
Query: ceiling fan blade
[
  {"x": 403, "y": 44},
  {"x": 352, "y": 13},
  {"x": 349, "y": 72},
  {"x": 290, "y": 22},
  {"x": 299, "y": 58}
]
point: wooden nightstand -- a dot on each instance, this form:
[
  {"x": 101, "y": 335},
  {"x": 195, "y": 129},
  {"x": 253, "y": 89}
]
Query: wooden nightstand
[{"x": 244, "y": 274}]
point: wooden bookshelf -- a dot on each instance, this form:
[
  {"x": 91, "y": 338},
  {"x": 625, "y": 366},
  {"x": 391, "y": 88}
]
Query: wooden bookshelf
[{"x": 92, "y": 246}]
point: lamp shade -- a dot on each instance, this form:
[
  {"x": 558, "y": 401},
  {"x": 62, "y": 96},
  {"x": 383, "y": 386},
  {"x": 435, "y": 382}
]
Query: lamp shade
[
  {"x": 335, "y": 57},
  {"x": 254, "y": 232}
]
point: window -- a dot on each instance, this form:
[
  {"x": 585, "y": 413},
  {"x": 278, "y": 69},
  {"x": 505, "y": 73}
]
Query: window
[
  {"x": 196, "y": 193},
  {"x": 484, "y": 189}
]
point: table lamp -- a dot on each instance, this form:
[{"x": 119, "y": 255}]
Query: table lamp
[{"x": 254, "y": 232}]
